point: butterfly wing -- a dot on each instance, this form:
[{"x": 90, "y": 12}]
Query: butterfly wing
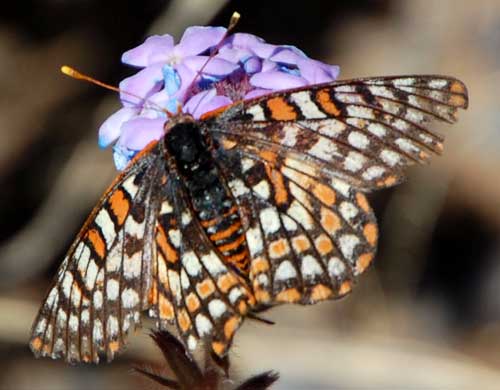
[
  {"x": 300, "y": 160},
  {"x": 363, "y": 131},
  {"x": 195, "y": 289},
  {"x": 102, "y": 284},
  {"x": 309, "y": 235}
]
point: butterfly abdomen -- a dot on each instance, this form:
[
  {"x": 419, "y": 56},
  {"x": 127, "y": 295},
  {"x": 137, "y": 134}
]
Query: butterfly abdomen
[{"x": 209, "y": 196}]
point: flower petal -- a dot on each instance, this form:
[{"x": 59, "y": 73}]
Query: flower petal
[
  {"x": 156, "y": 48},
  {"x": 252, "y": 65},
  {"x": 257, "y": 93},
  {"x": 243, "y": 41},
  {"x": 197, "y": 39},
  {"x": 287, "y": 55},
  {"x": 204, "y": 102},
  {"x": 111, "y": 128},
  {"x": 215, "y": 67},
  {"x": 144, "y": 83},
  {"x": 316, "y": 72},
  {"x": 276, "y": 80},
  {"x": 233, "y": 54},
  {"x": 138, "y": 132},
  {"x": 122, "y": 156}
]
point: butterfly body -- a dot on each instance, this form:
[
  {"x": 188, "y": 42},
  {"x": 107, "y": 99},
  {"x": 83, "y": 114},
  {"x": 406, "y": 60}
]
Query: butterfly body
[
  {"x": 193, "y": 157},
  {"x": 256, "y": 204}
]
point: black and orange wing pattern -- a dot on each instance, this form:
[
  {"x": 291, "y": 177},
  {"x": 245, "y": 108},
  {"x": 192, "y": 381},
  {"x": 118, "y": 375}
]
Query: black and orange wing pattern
[
  {"x": 301, "y": 161},
  {"x": 256, "y": 204},
  {"x": 103, "y": 283}
]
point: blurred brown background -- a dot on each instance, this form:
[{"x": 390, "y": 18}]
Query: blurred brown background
[{"x": 426, "y": 316}]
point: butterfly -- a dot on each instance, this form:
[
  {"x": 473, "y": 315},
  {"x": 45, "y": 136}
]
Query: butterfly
[{"x": 253, "y": 205}]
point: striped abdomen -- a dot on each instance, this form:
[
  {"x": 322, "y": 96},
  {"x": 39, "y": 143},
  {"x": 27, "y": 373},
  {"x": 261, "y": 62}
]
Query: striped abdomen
[{"x": 209, "y": 196}]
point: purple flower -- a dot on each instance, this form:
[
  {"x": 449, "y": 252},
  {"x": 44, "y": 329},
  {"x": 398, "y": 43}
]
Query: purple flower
[{"x": 244, "y": 67}]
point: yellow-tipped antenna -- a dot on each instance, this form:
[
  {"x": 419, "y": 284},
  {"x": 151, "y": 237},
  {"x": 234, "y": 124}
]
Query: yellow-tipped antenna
[
  {"x": 71, "y": 72},
  {"x": 235, "y": 17}
]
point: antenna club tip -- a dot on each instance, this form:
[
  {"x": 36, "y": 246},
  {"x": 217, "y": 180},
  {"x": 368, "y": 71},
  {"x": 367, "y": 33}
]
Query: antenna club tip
[
  {"x": 235, "y": 17},
  {"x": 67, "y": 70}
]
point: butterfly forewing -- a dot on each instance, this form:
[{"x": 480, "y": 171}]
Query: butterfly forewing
[{"x": 101, "y": 285}]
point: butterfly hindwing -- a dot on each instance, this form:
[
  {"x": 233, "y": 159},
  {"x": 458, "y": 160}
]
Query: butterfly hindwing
[
  {"x": 206, "y": 298},
  {"x": 309, "y": 235}
]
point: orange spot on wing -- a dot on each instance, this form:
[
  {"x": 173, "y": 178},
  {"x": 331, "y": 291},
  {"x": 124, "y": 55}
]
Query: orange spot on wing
[
  {"x": 166, "y": 308},
  {"x": 276, "y": 178},
  {"x": 242, "y": 307},
  {"x": 326, "y": 103},
  {"x": 184, "y": 321},
  {"x": 300, "y": 243},
  {"x": 324, "y": 244},
  {"x": 321, "y": 292},
  {"x": 259, "y": 265},
  {"x": 114, "y": 346},
  {"x": 161, "y": 239},
  {"x": 219, "y": 348},
  {"x": 228, "y": 144},
  {"x": 363, "y": 262},
  {"x": 36, "y": 343},
  {"x": 457, "y": 100},
  {"x": 226, "y": 281},
  {"x": 281, "y": 110},
  {"x": 153, "y": 293},
  {"x": 363, "y": 202},
  {"x": 371, "y": 234},
  {"x": 330, "y": 221},
  {"x": 119, "y": 205},
  {"x": 324, "y": 194},
  {"x": 238, "y": 258},
  {"x": 268, "y": 156},
  {"x": 230, "y": 327},
  {"x": 457, "y": 87},
  {"x": 278, "y": 248},
  {"x": 97, "y": 242},
  {"x": 261, "y": 296},
  {"x": 289, "y": 295},
  {"x": 205, "y": 288},
  {"x": 192, "y": 302},
  {"x": 345, "y": 287}
]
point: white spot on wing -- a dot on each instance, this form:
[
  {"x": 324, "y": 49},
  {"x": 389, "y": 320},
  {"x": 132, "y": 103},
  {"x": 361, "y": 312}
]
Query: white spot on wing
[
  {"x": 323, "y": 149},
  {"x": 358, "y": 140},
  {"x": 203, "y": 325},
  {"x": 373, "y": 172},
  {"x": 238, "y": 188},
  {"x": 130, "y": 298},
  {"x": 112, "y": 289},
  {"x": 347, "y": 243},
  {"x": 348, "y": 210},
  {"x": 390, "y": 157},
  {"x": 310, "y": 267},
  {"x": 285, "y": 271},
  {"x": 191, "y": 263},
  {"x": 213, "y": 264},
  {"x": 336, "y": 267},
  {"x": 262, "y": 189},
  {"x": 216, "y": 308},
  {"x": 254, "y": 241},
  {"x": 103, "y": 220},
  {"x": 300, "y": 214},
  {"x": 354, "y": 161},
  {"x": 308, "y": 108},
  {"x": 270, "y": 220},
  {"x": 257, "y": 112}
]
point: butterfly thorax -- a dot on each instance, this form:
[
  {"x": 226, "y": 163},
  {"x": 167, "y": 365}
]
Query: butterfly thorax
[{"x": 191, "y": 152}]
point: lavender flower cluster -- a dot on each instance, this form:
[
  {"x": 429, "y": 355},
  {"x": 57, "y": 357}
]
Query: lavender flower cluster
[{"x": 245, "y": 66}]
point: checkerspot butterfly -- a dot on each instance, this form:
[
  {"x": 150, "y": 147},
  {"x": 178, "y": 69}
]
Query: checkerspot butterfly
[{"x": 253, "y": 205}]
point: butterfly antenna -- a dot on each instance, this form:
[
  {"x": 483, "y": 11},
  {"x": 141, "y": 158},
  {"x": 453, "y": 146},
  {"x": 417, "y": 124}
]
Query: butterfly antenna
[
  {"x": 69, "y": 71},
  {"x": 235, "y": 17}
]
